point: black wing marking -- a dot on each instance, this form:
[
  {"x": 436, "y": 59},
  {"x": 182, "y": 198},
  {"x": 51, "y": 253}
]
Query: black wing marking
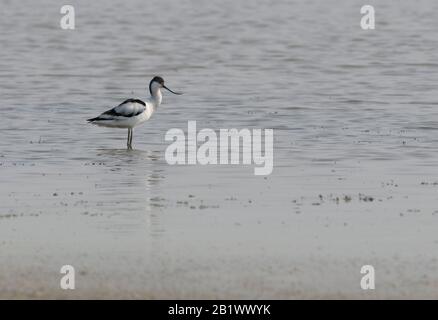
[
  {"x": 132, "y": 101},
  {"x": 122, "y": 110}
]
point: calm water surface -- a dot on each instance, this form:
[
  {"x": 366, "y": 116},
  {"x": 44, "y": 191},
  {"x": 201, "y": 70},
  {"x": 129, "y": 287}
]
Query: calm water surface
[{"x": 355, "y": 153}]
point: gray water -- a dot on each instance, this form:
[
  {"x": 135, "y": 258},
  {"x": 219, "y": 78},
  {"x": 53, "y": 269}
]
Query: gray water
[{"x": 354, "y": 115}]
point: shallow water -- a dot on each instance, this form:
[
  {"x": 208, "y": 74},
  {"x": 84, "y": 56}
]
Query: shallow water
[{"x": 355, "y": 179}]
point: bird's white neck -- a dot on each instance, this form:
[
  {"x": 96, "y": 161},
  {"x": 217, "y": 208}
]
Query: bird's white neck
[{"x": 156, "y": 95}]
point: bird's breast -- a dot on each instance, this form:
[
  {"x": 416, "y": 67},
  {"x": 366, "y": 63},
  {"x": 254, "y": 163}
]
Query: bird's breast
[{"x": 146, "y": 114}]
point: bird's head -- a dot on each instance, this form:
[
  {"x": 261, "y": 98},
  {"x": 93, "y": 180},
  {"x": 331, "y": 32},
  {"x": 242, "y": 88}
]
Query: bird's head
[{"x": 158, "y": 83}]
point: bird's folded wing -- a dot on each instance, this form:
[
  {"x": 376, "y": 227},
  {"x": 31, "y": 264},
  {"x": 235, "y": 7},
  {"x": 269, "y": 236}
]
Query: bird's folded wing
[{"x": 128, "y": 108}]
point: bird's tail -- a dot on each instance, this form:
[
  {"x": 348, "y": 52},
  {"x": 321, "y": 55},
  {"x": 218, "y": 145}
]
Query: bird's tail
[{"x": 93, "y": 119}]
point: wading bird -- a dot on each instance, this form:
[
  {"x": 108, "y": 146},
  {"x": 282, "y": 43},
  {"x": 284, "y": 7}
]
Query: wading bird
[{"x": 132, "y": 112}]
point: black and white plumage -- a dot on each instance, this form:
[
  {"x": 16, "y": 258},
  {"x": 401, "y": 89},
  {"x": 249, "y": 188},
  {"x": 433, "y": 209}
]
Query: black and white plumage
[
  {"x": 121, "y": 115},
  {"x": 132, "y": 112}
]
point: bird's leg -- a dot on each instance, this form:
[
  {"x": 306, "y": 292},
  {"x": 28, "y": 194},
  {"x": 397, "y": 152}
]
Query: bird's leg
[
  {"x": 128, "y": 142},
  {"x": 132, "y": 134}
]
